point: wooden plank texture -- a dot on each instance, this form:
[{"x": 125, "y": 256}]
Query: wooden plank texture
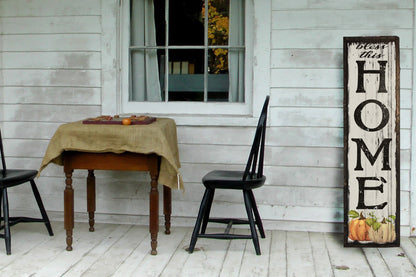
[
  {"x": 371, "y": 114},
  {"x": 122, "y": 250},
  {"x": 59, "y": 63}
]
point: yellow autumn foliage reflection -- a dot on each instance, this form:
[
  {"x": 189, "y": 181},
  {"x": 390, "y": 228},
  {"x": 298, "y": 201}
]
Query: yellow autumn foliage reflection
[{"x": 218, "y": 28}]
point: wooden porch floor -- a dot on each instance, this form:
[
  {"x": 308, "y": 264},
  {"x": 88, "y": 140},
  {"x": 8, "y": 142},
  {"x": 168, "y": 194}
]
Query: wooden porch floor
[{"x": 123, "y": 250}]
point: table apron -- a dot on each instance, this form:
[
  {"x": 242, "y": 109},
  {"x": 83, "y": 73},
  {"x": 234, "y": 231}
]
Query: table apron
[{"x": 111, "y": 161}]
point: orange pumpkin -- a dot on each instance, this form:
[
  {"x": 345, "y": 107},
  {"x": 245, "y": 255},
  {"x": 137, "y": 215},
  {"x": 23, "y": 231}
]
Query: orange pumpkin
[{"x": 358, "y": 229}]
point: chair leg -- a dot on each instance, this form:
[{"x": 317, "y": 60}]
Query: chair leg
[
  {"x": 207, "y": 210},
  {"x": 1, "y": 201},
  {"x": 41, "y": 207},
  {"x": 7, "y": 237},
  {"x": 253, "y": 230},
  {"x": 197, "y": 227},
  {"x": 256, "y": 214}
]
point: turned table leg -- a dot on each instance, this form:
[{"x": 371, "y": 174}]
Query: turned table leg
[
  {"x": 68, "y": 208},
  {"x": 167, "y": 207},
  {"x": 91, "y": 198},
  {"x": 154, "y": 214},
  {"x": 153, "y": 165}
]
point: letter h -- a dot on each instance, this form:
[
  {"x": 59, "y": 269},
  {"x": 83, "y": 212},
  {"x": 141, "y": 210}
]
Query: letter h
[{"x": 362, "y": 71}]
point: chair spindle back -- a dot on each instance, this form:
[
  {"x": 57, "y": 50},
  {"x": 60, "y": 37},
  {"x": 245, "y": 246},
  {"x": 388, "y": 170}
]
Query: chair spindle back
[
  {"x": 254, "y": 167},
  {"x": 3, "y": 161}
]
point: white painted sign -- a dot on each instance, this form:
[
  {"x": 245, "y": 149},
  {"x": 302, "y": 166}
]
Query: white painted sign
[{"x": 371, "y": 141}]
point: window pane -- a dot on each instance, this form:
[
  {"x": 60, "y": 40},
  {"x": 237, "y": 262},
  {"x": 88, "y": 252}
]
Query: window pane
[
  {"x": 186, "y": 75},
  {"x": 159, "y": 12},
  {"x": 218, "y": 22},
  {"x": 137, "y": 23},
  {"x": 144, "y": 76},
  {"x": 218, "y": 82},
  {"x": 161, "y": 57},
  {"x": 186, "y": 26}
]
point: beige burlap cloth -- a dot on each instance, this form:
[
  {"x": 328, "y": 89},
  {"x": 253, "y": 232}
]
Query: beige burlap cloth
[{"x": 158, "y": 137}]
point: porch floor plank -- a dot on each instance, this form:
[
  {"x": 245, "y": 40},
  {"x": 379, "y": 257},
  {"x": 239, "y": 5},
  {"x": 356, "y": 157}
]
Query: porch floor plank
[
  {"x": 85, "y": 241},
  {"x": 124, "y": 250},
  {"x": 376, "y": 262},
  {"x": 299, "y": 252},
  {"x": 234, "y": 258},
  {"x": 208, "y": 257},
  {"x": 397, "y": 262},
  {"x": 253, "y": 265},
  {"x": 95, "y": 253},
  {"x": 321, "y": 261},
  {"x": 179, "y": 257},
  {"x": 346, "y": 261},
  {"x": 278, "y": 257}
]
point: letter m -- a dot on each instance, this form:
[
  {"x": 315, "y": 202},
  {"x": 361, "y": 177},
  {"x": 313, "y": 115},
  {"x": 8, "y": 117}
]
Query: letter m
[{"x": 362, "y": 147}]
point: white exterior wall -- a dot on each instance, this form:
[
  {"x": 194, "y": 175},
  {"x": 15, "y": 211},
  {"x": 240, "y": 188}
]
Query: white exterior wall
[{"x": 58, "y": 64}]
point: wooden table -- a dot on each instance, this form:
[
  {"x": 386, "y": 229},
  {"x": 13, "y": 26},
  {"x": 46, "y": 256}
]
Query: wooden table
[
  {"x": 112, "y": 161},
  {"x": 151, "y": 147}
]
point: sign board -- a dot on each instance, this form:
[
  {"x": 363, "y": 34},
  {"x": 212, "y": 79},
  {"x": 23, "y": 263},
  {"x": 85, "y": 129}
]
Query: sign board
[{"x": 371, "y": 141}]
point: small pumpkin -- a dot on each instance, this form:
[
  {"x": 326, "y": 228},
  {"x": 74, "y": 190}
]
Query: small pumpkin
[
  {"x": 384, "y": 233},
  {"x": 358, "y": 229}
]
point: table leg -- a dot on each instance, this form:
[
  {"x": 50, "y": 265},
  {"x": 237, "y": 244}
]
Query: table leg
[
  {"x": 154, "y": 212},
  {"x": 91, "y": 198},
  {"x": 68, "y": 209},
  {"x": 167, "y": 207}
]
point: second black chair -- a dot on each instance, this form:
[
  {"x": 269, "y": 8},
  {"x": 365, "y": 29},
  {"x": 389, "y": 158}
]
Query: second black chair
[
  {"x": 252, "y": 177},
  {"x": 10, "y": 178}
]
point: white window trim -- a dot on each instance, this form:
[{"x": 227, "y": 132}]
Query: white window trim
[{"x": 257, "y": 72}]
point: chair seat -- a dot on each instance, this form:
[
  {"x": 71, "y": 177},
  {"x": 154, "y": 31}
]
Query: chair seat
[
  {"x": 15, "y": 177},
  {"x": 228, "y": 179}
]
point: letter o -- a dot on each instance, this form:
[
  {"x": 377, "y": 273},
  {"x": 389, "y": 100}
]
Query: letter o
[{"x": 360, "y": 123}]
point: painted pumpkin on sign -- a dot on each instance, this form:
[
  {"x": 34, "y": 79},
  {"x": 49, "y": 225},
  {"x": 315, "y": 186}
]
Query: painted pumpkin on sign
[
  {"x": 358, "y": 229},
  {"x": 384, "y": 233}
]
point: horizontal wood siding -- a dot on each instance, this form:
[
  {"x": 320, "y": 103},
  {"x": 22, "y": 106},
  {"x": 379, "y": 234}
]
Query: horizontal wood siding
[
  {"x": 56, "y": 66},
  {"x": 307, "y": 94},
  {"x": 50, "y": 62}
]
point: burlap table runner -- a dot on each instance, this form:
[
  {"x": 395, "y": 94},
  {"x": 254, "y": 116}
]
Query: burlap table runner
[{"x": 158, "y": 137}]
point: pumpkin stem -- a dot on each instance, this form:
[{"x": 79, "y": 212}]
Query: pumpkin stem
[
  {"x": 384, "y": 220},
  {"x": 362, "y": 216}
]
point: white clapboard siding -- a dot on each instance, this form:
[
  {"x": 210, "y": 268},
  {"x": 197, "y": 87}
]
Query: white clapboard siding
[
  {"x": 49, "y": 113},
  {"x": 55, "y": 42},
  {"x": 34, "y": 130},
  {"x": 19, "y": 8},
  {"x": 321, "y": 58},
  {"x": 52, "y": 60},
  {"x": 52, "y": 95},
  {"x": 340, "y": 4},
  {"x": 307, "y": 97},
  {"x": 48, "y": 77},
  {"x": 321, "y": 78},
  {"x": 344, "y": 19},
  {"x": 321, "y": 97},
  {"x": 51, "y": 24},
  {"x": 332, "y": 38},
  {"x": 307, "y": 82},
  {"x": 314, "y": 117},
  {"x": 66, "y": 51}
]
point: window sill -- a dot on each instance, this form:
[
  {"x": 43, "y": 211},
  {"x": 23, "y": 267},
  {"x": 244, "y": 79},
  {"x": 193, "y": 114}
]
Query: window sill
[{"x": 210, "y": 120}]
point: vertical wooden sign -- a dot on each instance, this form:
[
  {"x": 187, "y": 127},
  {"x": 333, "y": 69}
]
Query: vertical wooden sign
[{"x": 371, "y": 141}]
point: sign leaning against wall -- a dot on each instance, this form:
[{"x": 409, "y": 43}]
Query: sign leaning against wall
[{"x": 371, "y": 141}]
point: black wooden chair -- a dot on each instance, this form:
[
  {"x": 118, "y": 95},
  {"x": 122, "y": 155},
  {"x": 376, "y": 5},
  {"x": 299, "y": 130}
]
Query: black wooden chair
[
  {"x": 10, "y": 178},
  {"x": 252, "y": 177}
]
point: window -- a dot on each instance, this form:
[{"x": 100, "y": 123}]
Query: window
[{"x": 179, "y": 54}]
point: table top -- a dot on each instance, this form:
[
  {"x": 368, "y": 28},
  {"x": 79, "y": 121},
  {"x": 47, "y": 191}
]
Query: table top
[{"x": 159, "y": 137}]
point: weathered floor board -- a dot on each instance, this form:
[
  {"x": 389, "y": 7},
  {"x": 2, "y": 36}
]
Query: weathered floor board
[{"x": 123, "y": 250}]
